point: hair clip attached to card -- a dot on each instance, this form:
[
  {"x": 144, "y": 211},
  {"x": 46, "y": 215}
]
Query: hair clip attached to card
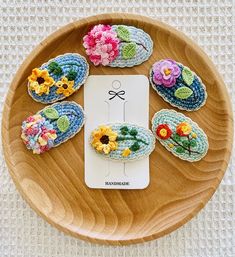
[
  {"x": 58, "y": 78},
  {"x": 180, "y": 135},
  {"x": 117, "y": 45},
  {"x": 178, "y": 85},
  {"x": 52, "y": 126},
  {"x": 122, "y": 141}
]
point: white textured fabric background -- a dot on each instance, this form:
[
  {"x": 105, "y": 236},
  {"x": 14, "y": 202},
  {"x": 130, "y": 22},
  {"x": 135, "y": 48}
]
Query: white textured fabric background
[{"x": 23, "y": 24}]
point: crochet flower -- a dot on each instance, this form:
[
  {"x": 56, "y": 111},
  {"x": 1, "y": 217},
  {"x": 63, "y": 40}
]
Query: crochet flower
[
  {"x": 104, "y": 139},
  {"x": 163, "y": 131},
  {"x": 126, "y": 152},
  {"x": 165, "y": 72},
  {"x": 38, "y": 134},
  {"x": 183, "y": 129},
  {"x": 65, "y": 87},
  {"x": 40, "y": 81},
  {"x": 101, "y": 44}
]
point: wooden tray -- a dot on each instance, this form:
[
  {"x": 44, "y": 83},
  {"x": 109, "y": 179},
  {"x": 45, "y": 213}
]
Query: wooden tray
[{"x": 53, "y": 183}]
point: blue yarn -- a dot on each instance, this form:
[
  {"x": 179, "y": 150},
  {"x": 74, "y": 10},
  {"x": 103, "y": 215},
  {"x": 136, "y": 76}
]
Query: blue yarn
[
  {"x": 143, "y": 134},
  {"x": 172, "y": 118},
  {"x": 136, "y": 35},
  {"x": 76, "y": 117},
  {"x": 194, "y": 102},
  {"x": 80, "y": 66}
]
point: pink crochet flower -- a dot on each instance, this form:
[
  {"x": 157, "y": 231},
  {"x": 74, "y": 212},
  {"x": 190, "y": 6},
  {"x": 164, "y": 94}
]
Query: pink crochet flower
[
  {"x": 165, "y": 72},
  {"x": 101, "y": 44}
]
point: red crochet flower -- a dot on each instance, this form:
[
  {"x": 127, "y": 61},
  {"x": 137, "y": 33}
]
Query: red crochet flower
[{"x": 163, "y": 131}]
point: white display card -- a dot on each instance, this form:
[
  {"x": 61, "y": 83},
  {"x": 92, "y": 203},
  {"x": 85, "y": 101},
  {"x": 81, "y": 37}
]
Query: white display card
[{"x": 109, "y": 99}]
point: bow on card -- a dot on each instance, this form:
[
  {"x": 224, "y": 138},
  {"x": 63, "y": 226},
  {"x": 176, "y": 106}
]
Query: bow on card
[{"x": 113, "y": 94}]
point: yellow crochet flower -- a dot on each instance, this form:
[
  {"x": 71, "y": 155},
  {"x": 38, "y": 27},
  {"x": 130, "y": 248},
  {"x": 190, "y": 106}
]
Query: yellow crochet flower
[
  {"x": 170, "y": 145},
  {"x": 104, "y": 139},
  {"x": 65, "y": 87},
  {"x": 126, "y": 152},
  {"x": 40, "y": 81}
]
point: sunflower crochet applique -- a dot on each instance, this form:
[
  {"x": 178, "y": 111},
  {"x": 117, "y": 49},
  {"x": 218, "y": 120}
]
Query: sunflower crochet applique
[
  {"x": 122, "y": 141},
  {"x": 104, "y": 139},
  {"x": 58, "y": 78},
  {"x": 65, "y": 86},
  {"x": 40, "y": 81}
]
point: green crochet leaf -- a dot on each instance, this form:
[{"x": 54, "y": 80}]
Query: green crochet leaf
[
  {"x": 51, "y": 113},
  {"x": 135, "y": 147},
  {"x": 176, "y": 137},
  {"x": 123, "y": 33},
  {"x": 185, "y": 143},
  {"x": 193, "y": 143},
  {"x": 133, "y": 132},
  {"x": 129, "y": 50},
  {"x": 63, "y": 123},
  {"x": 72, "y": 74},
  {"x": 55, "y": 68},
  {"x": 124, "y": 130},
  {"x": 179, "y": 149},
  {"x": 188, "y": 76},
  {"x": 183, "y": 92}
]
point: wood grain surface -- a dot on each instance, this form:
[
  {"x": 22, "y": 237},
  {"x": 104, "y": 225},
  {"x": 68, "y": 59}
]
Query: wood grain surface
[{"x": 53, "y": 183}]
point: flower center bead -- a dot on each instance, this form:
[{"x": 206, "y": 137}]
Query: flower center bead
[
  {"x": 163, "y": 132},
  {"x": 184, "y": 128},
  {"x": 167, "y": 71},
  {"x": 40, "y": 80},
  {"x": 65, "y": 86},
  {"x": 104, "y": 139}
]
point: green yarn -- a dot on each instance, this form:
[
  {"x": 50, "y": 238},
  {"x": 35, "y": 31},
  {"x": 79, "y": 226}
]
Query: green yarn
[
  {"x": 55, "y": 68},
  {"x": 123, "y": 33},
  {"x": 135, "y": 147},
  {"x": 183, "y": 92},
  {"x": 51, "y": 113},
  {"x": 129, "y": 147},
  {"x": 124, "y": 130},
  {"x": 63, "y": 123},
  {"x": 133, "y": 132},
  {"x": 190, "y": 147},
  {"x": 72, "y": 74},
  {"x": 129, "y": 50},
  {"x": 188, "y": 76}
]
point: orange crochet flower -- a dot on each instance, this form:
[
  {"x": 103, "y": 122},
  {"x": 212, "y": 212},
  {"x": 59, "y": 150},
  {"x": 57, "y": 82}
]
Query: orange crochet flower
[
  {"x": 163, "y": 131},
  {"x": 183, "y": 129}
]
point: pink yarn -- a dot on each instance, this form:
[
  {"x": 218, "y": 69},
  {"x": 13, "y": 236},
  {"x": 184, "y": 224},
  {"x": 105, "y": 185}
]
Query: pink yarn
[{"x": 101, "y": 44}]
